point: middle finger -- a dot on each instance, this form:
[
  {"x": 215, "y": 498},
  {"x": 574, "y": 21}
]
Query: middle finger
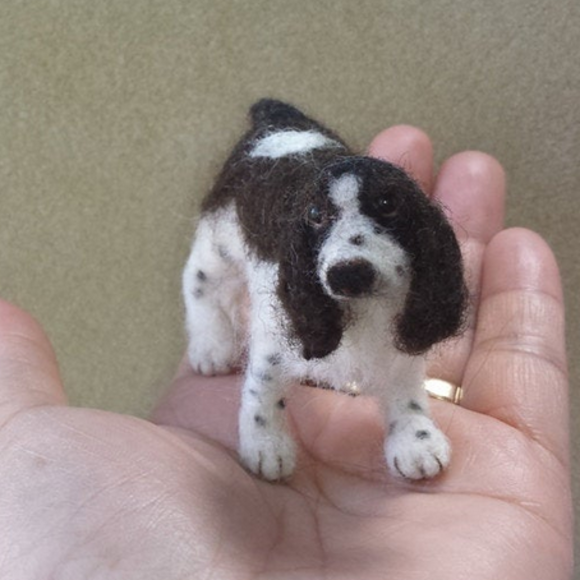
[{"x": 471, "y": 188}]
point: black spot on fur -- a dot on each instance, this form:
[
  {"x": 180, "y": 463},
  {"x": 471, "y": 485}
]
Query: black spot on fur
[
  {"x": 274, "y": 359},
  {"x": 198, "y": 293},
  {"x": 223, "y": 253},
  {"x": 414, "y": 406},
  {"x": 260, "y": 421},
  {"x": 422, "y": 434},
  {"x": 201, "y": 276},
  {"x": 357, "y": 240},
  {"x": 281, "y": 404}
]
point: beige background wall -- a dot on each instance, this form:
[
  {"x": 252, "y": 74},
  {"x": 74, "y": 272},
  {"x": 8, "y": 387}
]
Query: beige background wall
[{"x": 115, "y": 115}]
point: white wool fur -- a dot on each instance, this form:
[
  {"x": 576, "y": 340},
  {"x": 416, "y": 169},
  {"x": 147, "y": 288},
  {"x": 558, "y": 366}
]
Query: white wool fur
[
  {"x": 219, "y": 334},
  {"x": 385, "y": 254},
  {"x": 283, "y": 143},
  {"x": 214, "y": 319}
]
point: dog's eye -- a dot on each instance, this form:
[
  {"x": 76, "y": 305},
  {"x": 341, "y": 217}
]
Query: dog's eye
[
  {"x": 315, "y": 216},
  {"x": 386, "y": 205}
]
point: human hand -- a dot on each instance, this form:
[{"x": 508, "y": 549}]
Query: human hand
[{"x": 90, "y": 494}]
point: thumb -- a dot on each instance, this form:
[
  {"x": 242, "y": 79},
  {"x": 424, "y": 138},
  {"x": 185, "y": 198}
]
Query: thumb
[{"x": 29, "y": 375}]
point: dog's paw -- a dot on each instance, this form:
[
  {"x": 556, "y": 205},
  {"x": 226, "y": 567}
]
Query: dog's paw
[
  {"x": 416, "y": 448},
  {"x": 206, "y": 361},
  {"x": 215, "y": 354},
  {"x": 270, "y": 456}
]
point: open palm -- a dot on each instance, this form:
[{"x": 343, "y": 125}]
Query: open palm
[{"x": 90, "y": 494}]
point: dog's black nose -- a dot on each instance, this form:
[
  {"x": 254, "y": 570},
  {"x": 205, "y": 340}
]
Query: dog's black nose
[{"x": 351, "y": 279}]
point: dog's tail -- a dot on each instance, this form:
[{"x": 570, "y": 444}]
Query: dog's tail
[{"x": 273, "y": 113}]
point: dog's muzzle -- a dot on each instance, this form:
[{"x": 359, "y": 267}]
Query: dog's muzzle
[{"x": 351, "y": 279}]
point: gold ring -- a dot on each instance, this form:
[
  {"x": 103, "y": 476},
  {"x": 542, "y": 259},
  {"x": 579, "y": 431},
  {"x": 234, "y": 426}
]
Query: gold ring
[{"x": 443, "y": 390}]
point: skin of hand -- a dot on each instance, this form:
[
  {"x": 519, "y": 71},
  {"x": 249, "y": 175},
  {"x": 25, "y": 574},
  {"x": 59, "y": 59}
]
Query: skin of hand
[{"x": 90, "y": 494}]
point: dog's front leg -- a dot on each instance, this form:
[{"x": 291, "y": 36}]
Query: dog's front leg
[
  {"x": 415, "y": 448},
  {"x": 266, "y": 446}
]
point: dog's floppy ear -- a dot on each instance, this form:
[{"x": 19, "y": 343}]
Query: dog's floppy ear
[
  {"x": 437, "y": 299},
  {"x": 316, "y": 319}
]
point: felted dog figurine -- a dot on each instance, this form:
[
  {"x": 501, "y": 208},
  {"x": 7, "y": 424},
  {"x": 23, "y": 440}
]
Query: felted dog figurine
[{"x": 352, "y": 274}]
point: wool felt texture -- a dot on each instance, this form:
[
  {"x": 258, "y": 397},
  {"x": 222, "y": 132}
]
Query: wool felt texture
[
  {"x": 352, "y": 274},
  {"x": 273, "y": 198}
]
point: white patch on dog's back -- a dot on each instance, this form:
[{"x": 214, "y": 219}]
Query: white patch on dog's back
[{"x": 283, "y": 143}]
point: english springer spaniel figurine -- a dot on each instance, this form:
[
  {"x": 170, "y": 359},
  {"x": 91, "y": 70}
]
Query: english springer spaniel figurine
[{"x": 352, "y": 274}]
